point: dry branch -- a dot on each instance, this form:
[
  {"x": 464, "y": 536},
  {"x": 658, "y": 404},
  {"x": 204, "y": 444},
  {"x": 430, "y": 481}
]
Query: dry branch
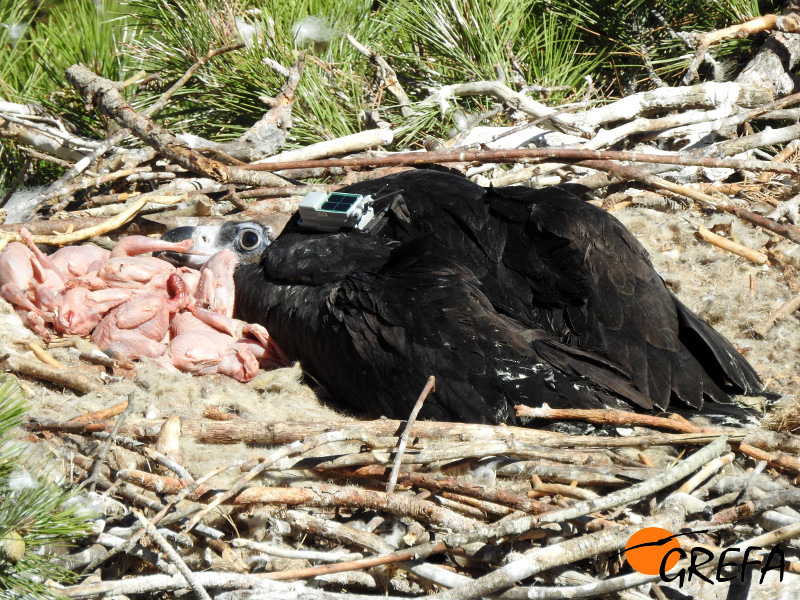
[
  {"x": 714, "y": 239},
  {"x": 42, "y": 355},
  {"x": 104, "y": 95},
  {"x": 30, "y": 126},
  {"x": 705, "y": 40},
  {"x": 783, "y": 311},
  {"x": 541, "y": 559},
  {"x": 100, "y": 415},
  {"x": 279, "y": 433},
  {"x": 524, "y": 155},
  {"x": 430, "y": 386},
  {"x": 199, "y": 591},
  {"x": 269, "y": 133},
  {"x": 388, "y": 74},
  {"x": 156, "y": 107},
  {"x": 348, "y": 144},
  {"x": 60, "y": 377},
  {"x": 709, "y": 95},
  {"x": 450, "y": 484},
  {"x": 106, "y": 226},
  {"x": 622, "y": 418}
]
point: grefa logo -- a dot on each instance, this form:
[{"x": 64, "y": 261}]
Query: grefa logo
[{"x": 656, "y": 551}]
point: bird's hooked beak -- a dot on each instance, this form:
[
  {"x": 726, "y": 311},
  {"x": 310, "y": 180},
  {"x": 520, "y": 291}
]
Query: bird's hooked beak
[
  {"x": 247, "y": 240},
  {"x": 204, "y": 247}
]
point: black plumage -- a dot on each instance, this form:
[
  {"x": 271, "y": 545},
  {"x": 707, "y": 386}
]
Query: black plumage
[{"x": 507, "y": 296}]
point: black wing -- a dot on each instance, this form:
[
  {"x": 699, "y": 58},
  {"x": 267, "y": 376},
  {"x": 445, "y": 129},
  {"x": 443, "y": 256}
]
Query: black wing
[{"x": 373, "y": 331}]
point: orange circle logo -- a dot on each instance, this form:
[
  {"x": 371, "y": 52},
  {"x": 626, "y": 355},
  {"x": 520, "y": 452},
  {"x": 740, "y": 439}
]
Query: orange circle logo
[{"x": 647, "y": 548}]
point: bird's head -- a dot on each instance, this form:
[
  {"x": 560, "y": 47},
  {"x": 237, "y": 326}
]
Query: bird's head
[{"x": 246, "y": 239}]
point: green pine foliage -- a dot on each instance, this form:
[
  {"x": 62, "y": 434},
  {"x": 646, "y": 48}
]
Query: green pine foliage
[
  {"x": 223, "y": 100},
  {"x": 634, "y": 33},
  {"x": 36, "y": 515},
  {"x": 38, "y": 41},
  {"x": 549, "y": 49}
]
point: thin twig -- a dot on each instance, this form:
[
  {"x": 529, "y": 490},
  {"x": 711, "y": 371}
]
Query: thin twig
[
  {"x": 199, "y": 591},
  {"x": 271, "y": 458},
  {"x": 724, "y": 243},
  {"x": 40, "y": 353},
  {"x": 783, "y": 311},
  {"x": 401, "y": 446},
  {"x": 388, "y": 74},
  {"x": 100, "y": 415},
  {"x": 107, "y": 444},
  {"x": 620, "y": 418}
]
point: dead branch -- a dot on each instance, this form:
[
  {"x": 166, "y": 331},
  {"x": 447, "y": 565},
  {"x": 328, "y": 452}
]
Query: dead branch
[
  {"x": 199, "y": 591},
  {"x": 115, "y": 222},
  {"x": 333, "y": 496},
  {"x": 61, "y": 377},
  {"x": 279, "y": 433},
  {"x": 54, "y": 194},
  {"x": 41, "y": 354},
  {"x": 320, "y": 495},
  {"x": 450, "y": 484},
  {"x": 32, "y": 127},
  {"x": 272, "y": 550},
  {"x": 104, "y": 95},
  {"x": 767, "y": 137},
  {"x": 523, "y": 155},
  {"x": 715, "y": 465},
  {"x": 101, "y": 455},
  {"x": 584, "y": 475},
  {"x": 779, "y": 461},
  {"x": 150, "y": 453},
  {"x": 498, "y": 90},
  {"x": 714, "y": 239},
  {"x": 100, "y": 415},
  {"x": 153, "y": 109},
  {"x": 705, "y": 40},
  {"x": 539, "y": 488},
  {"x": 388, "y": 74},
  {"x": 673, "y": 422},
  {"x": 269, "y": 133},
  {"x": 356, "y": 142},
  {"x": 541, "y": 559},
  {"x": 273, "y": 457},
  {"x": 333, "y": 530},
  {"x": 627, "y": 173},
  {"x": 709, "y": 95},
  {"x": 783, "y": 311},
  {"x": 772, "y": 65},
  {"x": 430, "y": 386}
]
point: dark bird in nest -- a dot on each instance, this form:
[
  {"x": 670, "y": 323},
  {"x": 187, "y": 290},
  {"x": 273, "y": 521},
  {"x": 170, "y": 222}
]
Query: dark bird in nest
[{"x": 508, "y": 296}]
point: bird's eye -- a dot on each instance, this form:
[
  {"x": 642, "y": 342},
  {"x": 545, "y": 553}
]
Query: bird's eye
[{"x": 249, "y": 239}]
